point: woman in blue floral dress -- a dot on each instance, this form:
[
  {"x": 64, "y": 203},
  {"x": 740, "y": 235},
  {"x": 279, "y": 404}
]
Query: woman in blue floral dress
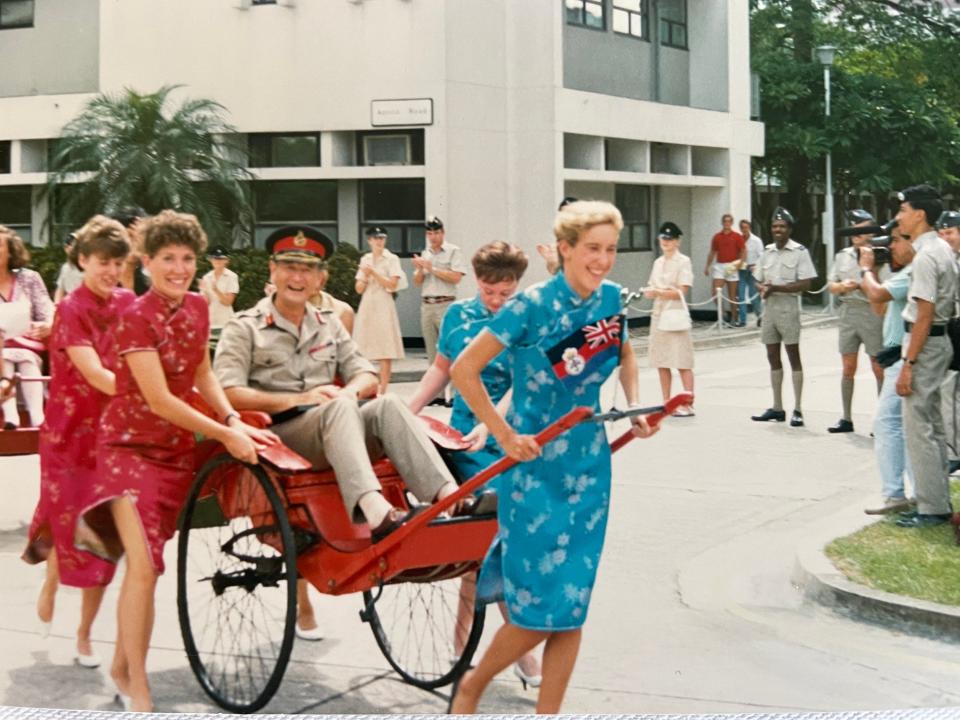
[
  {"x": 566, "y": 336},
  {"x": 498, "y": 267}
]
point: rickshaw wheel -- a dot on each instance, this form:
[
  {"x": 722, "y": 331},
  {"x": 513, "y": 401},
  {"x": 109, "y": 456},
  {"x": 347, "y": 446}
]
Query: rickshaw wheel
[
  {"x": 236, "y": 584},
  {"x": 415, "y": 625}
]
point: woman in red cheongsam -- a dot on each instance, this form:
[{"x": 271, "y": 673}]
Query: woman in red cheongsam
[
  {"x": 146, "y": 437},
  {"x": 83, "y": 359}
]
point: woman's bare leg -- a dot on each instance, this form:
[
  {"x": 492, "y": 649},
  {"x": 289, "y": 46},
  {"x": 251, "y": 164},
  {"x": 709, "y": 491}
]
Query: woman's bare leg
[
  {"x": 385, "y": 370},
  {"x": 509, "y": 645},
  {"x": 135, "y": 606},
  {"x": 306, "y": 619},
  {"x": 92, "y": 597},
  {"x": 529, "y": 664},
  {"x": 666, "y": 382},
  {"x": 559, "y": 658},
  {"x": 465, "y": 612},
  {"x": 48, "y": 591},
  {"x": 686, "y": 379}
]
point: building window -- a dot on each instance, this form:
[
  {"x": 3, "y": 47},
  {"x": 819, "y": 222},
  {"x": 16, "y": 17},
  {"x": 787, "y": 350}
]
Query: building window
[
  {"x": 284, "y": 150},
  {"x": 673, "y": 23},
  {"x": 390, "y": 147},
  {"x": 15, "y": 212},
  {"x": 586, "y": 13},
  {"x": 399, "y": 206},
  {"x": 263, "y": 2},
  {"x": 294, "y": 202},
  {"x": 5, "y": 156},
  {"x": 630, "y": 18},
  {"x": 634, "y": 204},
  {"x": 16, "y": 14}
]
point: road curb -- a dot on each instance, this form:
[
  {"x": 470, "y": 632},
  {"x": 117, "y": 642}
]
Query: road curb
[{"x": 820, "y": 581}]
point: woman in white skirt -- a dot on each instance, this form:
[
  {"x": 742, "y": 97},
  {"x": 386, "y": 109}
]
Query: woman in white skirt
[
  {"x": 670, "y": 281},
  {"x": 377, "y": 327}
]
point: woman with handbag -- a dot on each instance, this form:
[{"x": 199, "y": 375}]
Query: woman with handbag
[{"x": 671, "y": 344}]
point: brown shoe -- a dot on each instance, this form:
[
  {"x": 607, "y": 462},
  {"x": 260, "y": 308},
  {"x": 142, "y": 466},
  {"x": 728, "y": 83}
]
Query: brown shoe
[
  {"x": 394, "y": 518},
  {"x": 890, "y": 505}
]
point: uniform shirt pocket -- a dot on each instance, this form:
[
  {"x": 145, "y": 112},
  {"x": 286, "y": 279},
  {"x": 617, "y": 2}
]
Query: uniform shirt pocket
[{"x": 269, "y": 357}]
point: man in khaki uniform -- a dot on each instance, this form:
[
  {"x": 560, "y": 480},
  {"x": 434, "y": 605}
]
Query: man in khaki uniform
[
  {"x": 439, "y": 269},
  {"x": 282, "y": 356},
  {"x": 784, "y": 271},
  {"x": 859, "y": 324},
  {"x": 927, "y": 353}
]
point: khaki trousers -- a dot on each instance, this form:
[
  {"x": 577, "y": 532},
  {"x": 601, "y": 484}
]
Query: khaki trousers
[
  {"x": 923, "y": 426},
  {"x": 346, "y": 436},
  {"x": 431, "y": 315}
]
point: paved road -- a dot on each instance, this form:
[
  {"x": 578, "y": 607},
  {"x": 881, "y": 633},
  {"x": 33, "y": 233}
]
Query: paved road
[{"x": 694, "y": 609}]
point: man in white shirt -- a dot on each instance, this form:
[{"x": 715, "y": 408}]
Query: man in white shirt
[
  {"x": 439, "y": 269},
  {"x": 747, "y": 287},
  {"x": 220, "y": 287}
]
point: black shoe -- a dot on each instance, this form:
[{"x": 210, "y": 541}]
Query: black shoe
[
  {"x": 438, "y": 401},
  {"x": 770, "y": 414},
  {"x": 907, "y": 514},
  {"x": 796, "y": 419},
  {"x": 842, "y": 426},
  {"x": 921, "y": 520},
  {"x": 759, "y": 321},
  {"x": 394, "y": 518},
  {"x": 953, "y": 466}
]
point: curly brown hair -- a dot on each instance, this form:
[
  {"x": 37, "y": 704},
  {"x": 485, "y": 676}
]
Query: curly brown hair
[
  {"x": 172, "y": 228},
  {"x": 499, "y": 261},
  {"x": 18, "y": 256},
  {"x": 100, "y": 236}
]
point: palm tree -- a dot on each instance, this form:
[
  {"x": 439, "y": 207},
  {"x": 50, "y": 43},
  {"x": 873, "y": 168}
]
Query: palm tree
[{"x": 132, "y": 149}]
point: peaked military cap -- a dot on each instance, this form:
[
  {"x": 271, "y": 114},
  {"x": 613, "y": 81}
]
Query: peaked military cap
[
  {"x": 859, "y": 215},
  {"x": 566, "y": 201},
  {"x": 218, "y": 252},
  {"x": 670, "y": 231},
  {"x": 376, "y": 231},
  {"x": 433, "y": 223},
  {"x": 948, "y": 219},
  {"x": 918, "y": 193},
  {"x": 299, "y": 243},
  {"x": 781, "y": 213}
]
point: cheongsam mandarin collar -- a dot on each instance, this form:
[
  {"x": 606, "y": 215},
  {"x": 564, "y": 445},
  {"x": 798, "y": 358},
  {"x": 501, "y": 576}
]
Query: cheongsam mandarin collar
[
  {"x": 477, "y": 308},
  {"x": 90, "y": 296},
  {"x": 567, "y": 294},
  {"x": 171, "y": 306}
]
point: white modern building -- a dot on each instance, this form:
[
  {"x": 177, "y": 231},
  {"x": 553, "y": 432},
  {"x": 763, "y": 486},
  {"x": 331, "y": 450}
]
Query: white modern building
[{"x": 483, "y": 112}]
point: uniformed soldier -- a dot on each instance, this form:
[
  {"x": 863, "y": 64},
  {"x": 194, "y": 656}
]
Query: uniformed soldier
[
  {"x": 784, "y": 271},
  {"x": 948, "y": 227},
  {"x": 283, "y": 356},
  {"x": 927, "y": 353},
  {"x": 859, "y": 324}
]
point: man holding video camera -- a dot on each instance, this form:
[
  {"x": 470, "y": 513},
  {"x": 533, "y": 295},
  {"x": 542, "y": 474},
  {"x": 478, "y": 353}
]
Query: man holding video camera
[
  {"x": 890, "y": 443},
  {"x": 927, "y": 353},
  {"x": 859, "y": 325}
]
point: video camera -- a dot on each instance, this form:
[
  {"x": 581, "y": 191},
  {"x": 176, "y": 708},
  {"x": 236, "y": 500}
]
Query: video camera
[{"x": 880, "y": 242}]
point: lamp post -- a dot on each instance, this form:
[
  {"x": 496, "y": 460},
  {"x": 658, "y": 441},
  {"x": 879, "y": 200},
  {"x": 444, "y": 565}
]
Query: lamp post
[{"x": 825, "y": 54}]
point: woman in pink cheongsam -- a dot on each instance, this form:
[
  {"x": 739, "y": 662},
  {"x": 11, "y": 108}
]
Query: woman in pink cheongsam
[
  {"x": 83, "y": 359},
  {"x": 146, "y": 439}
]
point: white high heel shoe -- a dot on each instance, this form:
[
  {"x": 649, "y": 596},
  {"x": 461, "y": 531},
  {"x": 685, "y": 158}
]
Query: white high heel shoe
[{"x": 531, "y": 680}]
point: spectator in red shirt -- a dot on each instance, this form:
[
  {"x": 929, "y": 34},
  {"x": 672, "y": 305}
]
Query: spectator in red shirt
[{"x": 727, "y": 255}]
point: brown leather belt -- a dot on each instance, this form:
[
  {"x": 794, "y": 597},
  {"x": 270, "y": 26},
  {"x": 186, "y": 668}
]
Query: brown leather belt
[{"x": 435, "y": 299}]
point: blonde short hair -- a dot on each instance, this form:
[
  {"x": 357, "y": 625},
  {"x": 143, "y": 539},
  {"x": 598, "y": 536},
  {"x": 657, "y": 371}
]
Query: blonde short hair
[{"x": 580, "y": 216}]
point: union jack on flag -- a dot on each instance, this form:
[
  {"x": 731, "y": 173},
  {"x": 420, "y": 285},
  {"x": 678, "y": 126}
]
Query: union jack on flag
[{"x": 604, "y": 332}]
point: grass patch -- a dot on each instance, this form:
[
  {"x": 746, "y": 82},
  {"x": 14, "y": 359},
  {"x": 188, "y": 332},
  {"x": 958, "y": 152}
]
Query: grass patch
[{"x": 920, "y": 563}]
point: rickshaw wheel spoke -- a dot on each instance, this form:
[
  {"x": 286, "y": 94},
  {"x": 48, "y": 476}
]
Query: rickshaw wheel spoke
[
  {"x": 236, "y": 584},
  {"x": 415, "y": 625}
]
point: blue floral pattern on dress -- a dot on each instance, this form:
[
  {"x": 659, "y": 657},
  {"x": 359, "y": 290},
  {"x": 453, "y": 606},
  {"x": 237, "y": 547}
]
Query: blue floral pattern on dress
[
  {"x": 553, "y": 511},
  {"x": 463, "y": 321}
]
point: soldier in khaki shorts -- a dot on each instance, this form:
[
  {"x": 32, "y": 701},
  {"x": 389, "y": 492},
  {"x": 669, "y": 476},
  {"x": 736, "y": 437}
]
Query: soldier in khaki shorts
[
  {"x": 859, "y": 324},
  {"x": 283, "y": 356},
  {"x": 783, "y": 272}
]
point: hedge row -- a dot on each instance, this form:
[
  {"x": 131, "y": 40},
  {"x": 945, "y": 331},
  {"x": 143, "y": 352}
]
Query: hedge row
[{"x": 251, "y": 264}]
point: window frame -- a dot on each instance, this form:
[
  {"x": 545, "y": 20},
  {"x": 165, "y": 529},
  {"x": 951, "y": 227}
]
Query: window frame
[
  {"x": 666, "y": 39},
  {"x": 602, "y": 4},
  {"x": 33, "y": 15},
  {"x": 6, "y": 157},
  {"x": 644, "y": 16},
  {"x": 630, "y": 226},
  {"x": 270, "y": 137},
  {"x": 406, "y": 245}
]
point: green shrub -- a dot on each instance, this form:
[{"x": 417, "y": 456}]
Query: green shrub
[{"x": 46, "y": 260}]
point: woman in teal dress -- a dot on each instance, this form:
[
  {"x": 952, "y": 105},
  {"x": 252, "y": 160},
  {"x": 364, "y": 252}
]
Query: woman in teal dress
[
  {"x": 566, "y": 337},
  {"x": 498, "y": 267}
]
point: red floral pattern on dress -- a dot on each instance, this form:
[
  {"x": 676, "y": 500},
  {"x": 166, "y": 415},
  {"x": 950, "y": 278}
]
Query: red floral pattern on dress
[
  {"x": 68, "y": 460},
  {"x": 143, "y": 455}
]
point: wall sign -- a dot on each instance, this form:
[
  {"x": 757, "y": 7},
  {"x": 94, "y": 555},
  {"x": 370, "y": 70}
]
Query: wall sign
[{"x": 415, "y": 111}]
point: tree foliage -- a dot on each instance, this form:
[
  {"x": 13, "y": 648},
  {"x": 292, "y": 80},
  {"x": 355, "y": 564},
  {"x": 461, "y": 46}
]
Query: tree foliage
[
  {"x": 895, "y": 90},
  {"x": 133, "y": 149}
]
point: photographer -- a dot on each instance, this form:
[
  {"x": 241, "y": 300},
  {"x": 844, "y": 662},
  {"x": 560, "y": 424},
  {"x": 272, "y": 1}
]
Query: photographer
[
  {"x": 927, "y": 353},
  {"x": 859, "y": 325},
  {"x": 890, "y": 444}
]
